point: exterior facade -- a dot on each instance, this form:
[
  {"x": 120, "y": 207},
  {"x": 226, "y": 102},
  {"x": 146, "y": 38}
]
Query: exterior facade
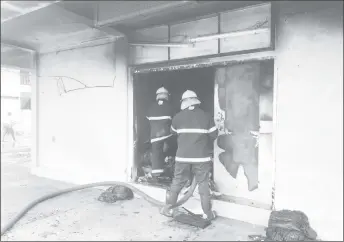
[{"x": 83, "y": 112}]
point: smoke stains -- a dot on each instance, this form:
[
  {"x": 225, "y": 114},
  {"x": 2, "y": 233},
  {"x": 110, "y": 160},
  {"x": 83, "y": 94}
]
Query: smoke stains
[
  {"x": 238, "y": 99},
  {"x": 266, "y": 92}
]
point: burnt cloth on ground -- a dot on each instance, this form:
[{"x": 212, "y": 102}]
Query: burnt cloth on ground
[
  {"x": 286, "y": 225},
  {"x": 116, "y": 193}
]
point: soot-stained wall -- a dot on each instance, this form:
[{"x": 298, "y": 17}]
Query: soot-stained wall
[
  {"x": 243, "y": 105},
  {"x": 82, "y": 113}
]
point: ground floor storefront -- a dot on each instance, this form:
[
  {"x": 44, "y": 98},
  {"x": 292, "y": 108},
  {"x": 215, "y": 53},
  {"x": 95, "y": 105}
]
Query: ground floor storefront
[{"x": 89, "y": 104}]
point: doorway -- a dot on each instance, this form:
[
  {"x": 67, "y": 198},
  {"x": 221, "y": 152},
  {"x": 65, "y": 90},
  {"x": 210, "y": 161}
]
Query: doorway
[
  {"x": 199, "y": 80},
  {"x": 241, "y": 98}
]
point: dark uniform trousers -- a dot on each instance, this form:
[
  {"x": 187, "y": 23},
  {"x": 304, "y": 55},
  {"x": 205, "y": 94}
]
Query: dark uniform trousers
[
  {"x": 182, "y": 174},
  {"x": 160, "y": 150},
  {"x": 158, "y": 157}
]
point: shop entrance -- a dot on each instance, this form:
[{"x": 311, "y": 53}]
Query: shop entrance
[
  {"x": 199, "y": 80},
  {"x": 241, "y": 98}
]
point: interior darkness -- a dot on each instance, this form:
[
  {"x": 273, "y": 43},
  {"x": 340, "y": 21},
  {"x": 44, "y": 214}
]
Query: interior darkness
[{"x": 176, "y": 82}]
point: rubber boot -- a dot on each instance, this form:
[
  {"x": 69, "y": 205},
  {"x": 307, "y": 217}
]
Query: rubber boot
[
  {"x": 167, "y": 211},
  {"x": 210, "y": 216}
]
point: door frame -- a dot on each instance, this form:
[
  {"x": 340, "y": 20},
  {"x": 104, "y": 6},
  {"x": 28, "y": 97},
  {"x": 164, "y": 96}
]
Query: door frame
[{"x": 192, "y": 64}]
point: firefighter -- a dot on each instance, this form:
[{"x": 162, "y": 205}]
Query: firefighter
[
  {"x": 160, "y": 117},
  {"x": 196, "y": 133},
  {"x": 8, "y": 129}
]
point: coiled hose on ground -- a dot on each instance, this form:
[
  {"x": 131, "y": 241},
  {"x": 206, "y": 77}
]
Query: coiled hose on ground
[{"x": 148, "y": 198}]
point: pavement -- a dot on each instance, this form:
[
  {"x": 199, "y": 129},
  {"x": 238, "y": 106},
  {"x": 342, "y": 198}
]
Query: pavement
[
  {"x": 80, "y": 216},
  {"x": 23, "y": 143}
]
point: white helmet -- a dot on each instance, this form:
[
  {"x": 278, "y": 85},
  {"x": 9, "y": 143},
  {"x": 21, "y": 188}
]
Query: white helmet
[
  {"x": 162, "y": 93},
  {"x": 189, "y": 98},
  {"x": 189, "y": 94},
  {"x": 161, "y": 90}
]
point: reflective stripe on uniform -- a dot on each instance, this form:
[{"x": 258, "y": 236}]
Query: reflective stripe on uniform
[
  {"x": 212, "y": 129},
  {"x": 157, "y": 171},
  {"x": 159, "y": 118},
  {"x": 183, "y": 159},
  {"x": 160, "y": 138},
  {"x": 173, "y": 129},
  {"x": 197, "y": 131}
]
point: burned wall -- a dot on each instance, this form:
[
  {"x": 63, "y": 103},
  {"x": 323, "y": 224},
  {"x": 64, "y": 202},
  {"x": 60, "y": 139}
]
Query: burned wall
[{"x": 243, "y": 163}]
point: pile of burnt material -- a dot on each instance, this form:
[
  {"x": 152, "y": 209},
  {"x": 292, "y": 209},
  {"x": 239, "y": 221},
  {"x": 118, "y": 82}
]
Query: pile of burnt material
[
  {"x": 286, "y": 225},
  {"x": 116, "y": 193}
]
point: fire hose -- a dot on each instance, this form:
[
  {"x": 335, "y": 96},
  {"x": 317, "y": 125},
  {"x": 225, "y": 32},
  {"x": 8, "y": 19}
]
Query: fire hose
[{"x": 148, "y": 198}]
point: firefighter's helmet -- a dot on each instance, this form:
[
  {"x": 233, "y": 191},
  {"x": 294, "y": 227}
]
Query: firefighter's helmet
[
  {"x": 162, "y": 94},
  {"x": 161, "y": 90},
  {"x": 189, "y": 94},
  {"x": 189, "y": 98}
]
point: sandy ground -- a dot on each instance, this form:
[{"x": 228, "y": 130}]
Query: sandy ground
[{"x": 79, "y": 216}]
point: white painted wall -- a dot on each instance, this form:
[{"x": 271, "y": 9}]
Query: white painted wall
[
  {"x": 82, "y": 134},
  {"x": 10, "y": 82},
  {"x": 309, "y": 135},
  {"x": 10, "y": 105}
]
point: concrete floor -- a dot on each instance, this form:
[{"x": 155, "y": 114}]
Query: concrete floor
[{"x": 79, "y": 216}]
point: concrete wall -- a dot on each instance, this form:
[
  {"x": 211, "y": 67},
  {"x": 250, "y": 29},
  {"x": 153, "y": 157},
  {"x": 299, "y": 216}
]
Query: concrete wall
[
  {"x": 11, "y": 105},
  {"x": 82, "y": 134},
  {"x": 10, "y": 82},
  {"x": 309, "y": 135}
]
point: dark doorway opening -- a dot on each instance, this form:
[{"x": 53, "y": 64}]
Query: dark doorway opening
[{"x": 176, "y": 82}]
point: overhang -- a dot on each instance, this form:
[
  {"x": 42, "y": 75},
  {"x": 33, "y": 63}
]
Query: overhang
[{"x": 29, "y": 27}]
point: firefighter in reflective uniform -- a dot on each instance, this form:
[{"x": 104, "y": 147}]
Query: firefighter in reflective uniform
[
  {"x": 160, "y": 117},
  {"x": 196, "y": 133}
]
